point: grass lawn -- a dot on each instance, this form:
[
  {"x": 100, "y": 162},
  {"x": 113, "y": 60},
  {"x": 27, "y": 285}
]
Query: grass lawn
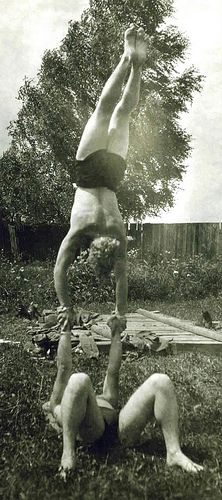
[{"x": 31, "y": 450}]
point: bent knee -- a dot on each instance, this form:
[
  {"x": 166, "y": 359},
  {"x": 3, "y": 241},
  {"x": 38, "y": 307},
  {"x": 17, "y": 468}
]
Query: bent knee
[
  {"x": 79, "y": 381},
  {"x": 122, "y": 111},
  {"x": 160, "y": 381}
]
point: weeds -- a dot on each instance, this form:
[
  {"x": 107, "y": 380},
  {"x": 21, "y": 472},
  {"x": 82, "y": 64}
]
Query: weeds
[{"x": 157, "y": 279}]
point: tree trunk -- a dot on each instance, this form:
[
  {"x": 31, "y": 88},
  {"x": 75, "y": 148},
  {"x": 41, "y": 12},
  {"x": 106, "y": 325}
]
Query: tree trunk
[{"x": 13, "y": 242}]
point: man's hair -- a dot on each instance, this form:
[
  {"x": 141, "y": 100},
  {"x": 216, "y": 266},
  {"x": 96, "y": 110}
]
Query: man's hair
[{"x": 102, "y": 254}]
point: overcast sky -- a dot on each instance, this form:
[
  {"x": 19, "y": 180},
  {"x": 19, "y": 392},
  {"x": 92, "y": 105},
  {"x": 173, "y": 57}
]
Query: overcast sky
[{"x": 29, "y": 27}]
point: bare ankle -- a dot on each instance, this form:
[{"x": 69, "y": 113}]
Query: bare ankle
[
  {"x": 172, "y": 455},
  {"x": 125, "y": 59},
  {"x": 68, "y": 460}
]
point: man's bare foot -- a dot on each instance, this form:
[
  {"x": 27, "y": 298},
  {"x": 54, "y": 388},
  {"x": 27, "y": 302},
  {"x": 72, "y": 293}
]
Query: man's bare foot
[
  {"x": 139, "y": 56},
  {"x": 130, "y": 42},
  {"x": 184, "y": 462},
  {"x": 68, "y": 464}
]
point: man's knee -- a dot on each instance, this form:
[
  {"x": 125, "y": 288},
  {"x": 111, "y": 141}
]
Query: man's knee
[
  {"x": 103, "y": 111},
  {"x": 80, "y": 382},
  {"x": 123, "y": 110},
  {"x": 160, "y": 382}
]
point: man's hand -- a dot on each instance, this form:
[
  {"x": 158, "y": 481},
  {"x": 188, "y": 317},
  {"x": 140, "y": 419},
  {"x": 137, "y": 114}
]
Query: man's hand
[
  {"x": 117, "y": 324},
  {"x": 66, "y": 317}
]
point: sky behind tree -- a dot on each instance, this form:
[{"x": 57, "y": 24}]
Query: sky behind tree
[{"x": 30, "y": 27}]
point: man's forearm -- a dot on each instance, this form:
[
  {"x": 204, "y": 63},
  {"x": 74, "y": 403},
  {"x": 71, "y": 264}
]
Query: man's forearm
[
  {"x": 111, "y": 383},
  {"x": 61, "y": 286},
  {"x": 64, "y": 368},
  {"x": 64, "y": 355},
  {"x": 121, "y": 293}
]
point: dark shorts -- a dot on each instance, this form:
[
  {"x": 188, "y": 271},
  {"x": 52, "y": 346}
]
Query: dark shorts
[
  {"x": 100, "y": 169},
  {"x": 108, "y": 440}
]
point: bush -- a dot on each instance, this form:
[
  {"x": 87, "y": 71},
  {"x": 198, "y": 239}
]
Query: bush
[
  {"x": 23, "y": 283},
  {"x": 169, "y": 278}
]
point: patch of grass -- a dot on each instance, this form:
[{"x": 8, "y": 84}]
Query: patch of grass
[{"x": 31, "y": 451}]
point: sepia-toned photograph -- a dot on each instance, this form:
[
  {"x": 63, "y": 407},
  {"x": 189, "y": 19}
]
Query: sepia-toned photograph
[{"x": 111, "y": 249}]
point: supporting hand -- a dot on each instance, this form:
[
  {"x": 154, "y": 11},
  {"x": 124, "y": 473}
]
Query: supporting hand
[
  {"x": 117, "y": 323},
  {"x": 66, "y": 317}
]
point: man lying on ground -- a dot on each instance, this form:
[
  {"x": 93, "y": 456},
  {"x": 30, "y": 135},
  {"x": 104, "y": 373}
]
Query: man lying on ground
[{"x": 81, "y": 413}]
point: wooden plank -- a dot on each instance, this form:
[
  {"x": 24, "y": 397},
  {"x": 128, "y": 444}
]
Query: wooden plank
[
  {"x": 204, "y": 332},
  {"x": 129, "y": 317},
  {"x": 137, "y": 318},
  {"x": 160, "y": 331},
  {"x": 144, "y": 325},
  {"x": 206, "y": 348},
  {"x": 194, "y": 342},
  {"x": 137, "y": 327},
  {"x": 185, "y": 338}
]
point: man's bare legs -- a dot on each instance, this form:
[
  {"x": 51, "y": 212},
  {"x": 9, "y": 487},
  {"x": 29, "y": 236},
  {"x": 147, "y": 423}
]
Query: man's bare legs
[
  {"x": 118, "y": 133},
  {"x": 79, "y": 414},
  {"x": 95, "y": 135},
  {"x": 156, "y": 397}
]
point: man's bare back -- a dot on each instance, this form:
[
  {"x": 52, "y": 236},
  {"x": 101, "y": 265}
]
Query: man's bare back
[{"x": 96, "y": 212}]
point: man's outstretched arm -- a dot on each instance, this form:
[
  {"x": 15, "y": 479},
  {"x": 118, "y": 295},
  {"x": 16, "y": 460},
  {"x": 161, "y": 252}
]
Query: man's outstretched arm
[
  {"x": 111, "y": 383},
  {"x": 65, "y": 258},
  {"x": 120, "y": 271},
  {"x": 64, "y": 366}
]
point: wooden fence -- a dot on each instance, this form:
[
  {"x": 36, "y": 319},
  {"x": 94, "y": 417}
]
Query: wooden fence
[{"x": 181, "y": 240}]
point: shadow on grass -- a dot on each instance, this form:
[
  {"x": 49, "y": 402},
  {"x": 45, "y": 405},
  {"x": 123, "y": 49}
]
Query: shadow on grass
[{"x": 109, "y": 445}]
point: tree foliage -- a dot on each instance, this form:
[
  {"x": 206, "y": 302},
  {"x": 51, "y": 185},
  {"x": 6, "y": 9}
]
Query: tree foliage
[{"x": 55, "y": 108}]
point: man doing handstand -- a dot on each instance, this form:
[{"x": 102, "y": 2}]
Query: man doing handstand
[{"x": 100, "y": 168}]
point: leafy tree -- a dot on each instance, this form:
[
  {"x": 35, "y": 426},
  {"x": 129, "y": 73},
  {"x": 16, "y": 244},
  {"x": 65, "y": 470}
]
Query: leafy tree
[
  {"x": 34, "y": 187},
  {"x": 54, "y": 111}
]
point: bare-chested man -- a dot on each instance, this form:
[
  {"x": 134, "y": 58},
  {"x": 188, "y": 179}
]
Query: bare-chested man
[
  {"x": 100, "y": 168},
  {"x": 73, "y": 404}
]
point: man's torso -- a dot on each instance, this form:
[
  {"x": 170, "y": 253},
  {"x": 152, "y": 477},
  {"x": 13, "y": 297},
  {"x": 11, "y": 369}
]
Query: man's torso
[{"x": 95, "y": 212}]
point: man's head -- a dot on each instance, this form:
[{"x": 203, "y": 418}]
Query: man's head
[{"x": 103, "y": 253}]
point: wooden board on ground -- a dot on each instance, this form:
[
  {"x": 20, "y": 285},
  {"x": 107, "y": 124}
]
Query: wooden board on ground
[
  {"x": 178, "y": 323},
  {"x": 184, "y": 334}
]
